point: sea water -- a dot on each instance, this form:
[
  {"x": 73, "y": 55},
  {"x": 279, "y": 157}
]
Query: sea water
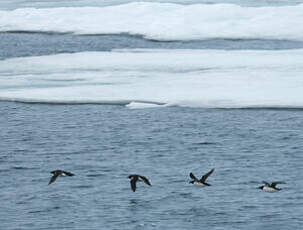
[{"x": 105, "y": 89}]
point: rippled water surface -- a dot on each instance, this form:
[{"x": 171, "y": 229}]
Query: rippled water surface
[
  {"x": 103, "y": 144},
  {"x": 148, "y": 64},
  {"x": 13, "y": 4},
  {"x": 35, "y": 44}
]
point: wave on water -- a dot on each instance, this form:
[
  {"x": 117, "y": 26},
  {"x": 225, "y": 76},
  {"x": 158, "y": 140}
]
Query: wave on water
[
  {"x": 158, "y": 78},
  {"x": 162, "y": 21}
]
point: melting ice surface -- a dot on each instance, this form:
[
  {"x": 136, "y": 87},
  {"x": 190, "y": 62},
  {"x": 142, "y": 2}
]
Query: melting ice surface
[
  {"x": 151, "y": 78},
  {"x": 163, "y": 21}
]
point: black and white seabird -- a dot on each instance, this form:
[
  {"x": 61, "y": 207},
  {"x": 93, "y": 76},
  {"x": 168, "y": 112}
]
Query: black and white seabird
[
  {"x": 200, "y": 182},
  {"x": 57, "y": 173},
  {"x": 134, "y": 178},
  {"x": 267, "y": 187}
]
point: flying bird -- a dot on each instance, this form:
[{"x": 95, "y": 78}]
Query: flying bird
[
  {"x": 267, "y": 187},
  {"x": 200, "y": 182},
  {"x": 57, "y": 173},
  {"x": 134, "y": 178}
]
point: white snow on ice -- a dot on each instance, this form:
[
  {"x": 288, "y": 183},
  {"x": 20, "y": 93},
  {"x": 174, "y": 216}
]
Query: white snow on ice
[
  {"x": 150, "y": 78},
  {"x": 163, "y": 21}
]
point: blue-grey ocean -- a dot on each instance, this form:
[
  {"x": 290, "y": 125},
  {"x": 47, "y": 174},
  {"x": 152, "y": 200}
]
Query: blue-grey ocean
[{"x": 104, "y": 89}]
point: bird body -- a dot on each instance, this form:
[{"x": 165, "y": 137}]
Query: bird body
[
  {"x": 200, "y": 182},
  {"x": 269, "y": 189},
  {"x": 134, "y": 178},
  {"x": 197, "y": 183},
  {"x": 57, "y": 173}
]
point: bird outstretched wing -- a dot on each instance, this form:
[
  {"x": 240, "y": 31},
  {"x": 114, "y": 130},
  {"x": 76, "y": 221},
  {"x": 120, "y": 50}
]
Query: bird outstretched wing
[
  {"x": 133, "y": 184},
  {"x": 192, "y": 176},
  {"x": 145, "y": 180},
  {"x": 53, "y": 178},
  {"x": 273, "y": 184},
  {"x": 204, "y": 177}
]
